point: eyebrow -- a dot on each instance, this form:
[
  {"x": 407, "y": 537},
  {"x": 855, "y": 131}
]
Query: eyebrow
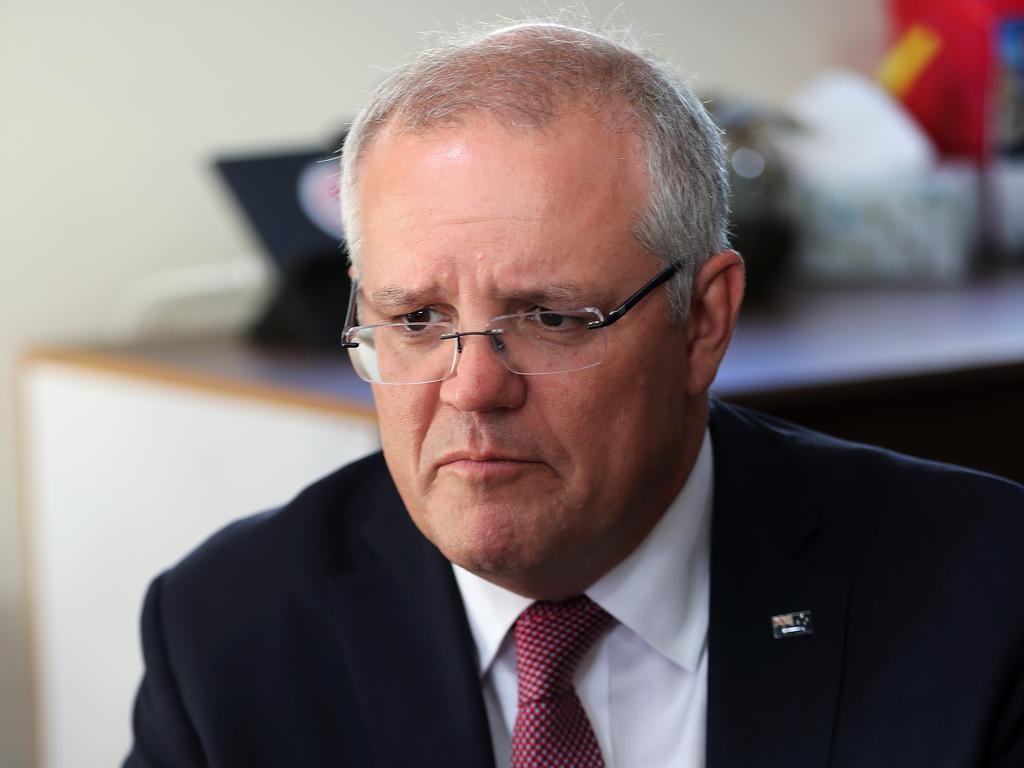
[
  {"x": 390, "y": 299},
  {"x": 566, "y": 294}
]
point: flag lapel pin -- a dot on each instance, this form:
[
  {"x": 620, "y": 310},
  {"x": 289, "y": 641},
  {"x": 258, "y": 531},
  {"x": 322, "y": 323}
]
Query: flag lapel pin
[{"x": 796, "y": 624}]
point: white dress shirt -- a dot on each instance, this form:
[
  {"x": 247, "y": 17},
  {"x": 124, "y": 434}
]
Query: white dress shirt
[{"x": 644, "y": 683}]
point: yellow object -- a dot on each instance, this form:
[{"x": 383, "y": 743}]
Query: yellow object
[{"x": 908, "y": 58}]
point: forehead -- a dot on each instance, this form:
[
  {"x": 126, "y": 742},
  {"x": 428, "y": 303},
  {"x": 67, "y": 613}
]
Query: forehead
[{"x": 482, "y": 203}]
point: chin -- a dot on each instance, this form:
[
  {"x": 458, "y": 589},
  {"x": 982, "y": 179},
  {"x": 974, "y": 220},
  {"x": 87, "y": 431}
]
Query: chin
[{"x": 486, "y": 539}]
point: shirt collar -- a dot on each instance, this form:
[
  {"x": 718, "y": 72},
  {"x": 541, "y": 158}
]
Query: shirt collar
[{"x": 661, "y": 591}]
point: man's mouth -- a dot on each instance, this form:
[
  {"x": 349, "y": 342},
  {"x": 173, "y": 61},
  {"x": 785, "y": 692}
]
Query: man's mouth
[{"x": 486, "y": 464}]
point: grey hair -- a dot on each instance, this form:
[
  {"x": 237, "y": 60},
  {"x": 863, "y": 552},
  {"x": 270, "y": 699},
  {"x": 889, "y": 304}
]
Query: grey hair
[{"x": 524, "y": 75}]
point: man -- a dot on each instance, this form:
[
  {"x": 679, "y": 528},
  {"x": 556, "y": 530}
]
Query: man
[{"x": 567, "y": 554}]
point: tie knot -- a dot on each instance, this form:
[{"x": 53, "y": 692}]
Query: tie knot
[{"x": 551, "y": 638}]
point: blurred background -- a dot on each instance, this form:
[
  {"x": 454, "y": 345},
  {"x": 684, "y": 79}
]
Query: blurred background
[{"x": 171, "y": 283}]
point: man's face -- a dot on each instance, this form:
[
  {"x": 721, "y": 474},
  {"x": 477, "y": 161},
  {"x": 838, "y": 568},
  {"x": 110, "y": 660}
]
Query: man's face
[{"x": 538, "y": 483}]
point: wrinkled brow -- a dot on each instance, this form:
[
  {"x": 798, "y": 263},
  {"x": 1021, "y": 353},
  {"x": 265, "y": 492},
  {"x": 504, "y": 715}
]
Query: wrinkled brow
[
  {"x": 392, "y": 298},
  {"x": 563, "y": 295}
]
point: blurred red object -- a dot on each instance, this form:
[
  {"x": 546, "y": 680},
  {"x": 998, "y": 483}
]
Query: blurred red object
[{"x": 944, "y": 65}]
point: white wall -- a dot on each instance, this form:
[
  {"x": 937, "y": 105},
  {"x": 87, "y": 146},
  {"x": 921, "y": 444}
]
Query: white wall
[{"x": 110, "y": 111}]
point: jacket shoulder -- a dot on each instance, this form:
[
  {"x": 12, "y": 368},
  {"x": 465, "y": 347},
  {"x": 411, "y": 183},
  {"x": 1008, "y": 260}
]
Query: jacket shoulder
[
  {"x": 316, "y": 532},
  {"x": 842, "y": 469},
  {"x": 778, "y": 482}
]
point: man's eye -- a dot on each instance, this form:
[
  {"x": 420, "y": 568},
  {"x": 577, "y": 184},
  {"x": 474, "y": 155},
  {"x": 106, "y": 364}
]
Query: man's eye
[
  {"x": 554, "y": 321},
  {"x": 414, "y": 321}
]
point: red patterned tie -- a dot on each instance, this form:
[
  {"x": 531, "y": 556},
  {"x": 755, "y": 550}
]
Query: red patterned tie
[{"x": 551, "y": 727}]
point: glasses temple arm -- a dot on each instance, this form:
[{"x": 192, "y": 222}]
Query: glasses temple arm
[
  {"x": 613, "y": 316},
  {"x": 350, "y": 317}
]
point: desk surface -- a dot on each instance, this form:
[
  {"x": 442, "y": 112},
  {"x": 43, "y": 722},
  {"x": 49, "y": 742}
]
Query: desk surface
[
  {"x": 809, "y": 339},
  {"x": 803, "y": 341}
]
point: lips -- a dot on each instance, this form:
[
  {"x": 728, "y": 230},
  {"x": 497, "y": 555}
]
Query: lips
[
  {"x": 482, "y": 457},
  {"x": 486, "y": 466}
]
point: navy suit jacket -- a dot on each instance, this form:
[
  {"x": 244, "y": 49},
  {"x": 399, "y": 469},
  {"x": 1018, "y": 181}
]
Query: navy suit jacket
[{"x": 331, "y": 632}]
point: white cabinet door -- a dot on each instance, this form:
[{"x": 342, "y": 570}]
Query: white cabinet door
[{"x": 125, "y": 475}]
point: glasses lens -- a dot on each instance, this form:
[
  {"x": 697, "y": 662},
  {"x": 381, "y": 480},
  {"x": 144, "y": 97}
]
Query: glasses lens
[
  {"x": 550, "y": 342},
  {"x": 401, "y": 353}
]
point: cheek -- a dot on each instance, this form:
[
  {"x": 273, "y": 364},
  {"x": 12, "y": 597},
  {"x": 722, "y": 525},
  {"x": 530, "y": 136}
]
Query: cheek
[
  {"x": 404, "y": 415},
  {"x": 579, "y": 420},
  {"x": 633, "y": 406}
]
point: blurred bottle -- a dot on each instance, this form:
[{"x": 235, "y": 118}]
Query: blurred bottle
[{"x": 762, "y": 225}]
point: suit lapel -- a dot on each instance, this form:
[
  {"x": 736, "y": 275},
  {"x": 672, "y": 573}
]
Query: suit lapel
[
  {"x": 405, "y": 635},
  {"x": 770, "y": 701}
]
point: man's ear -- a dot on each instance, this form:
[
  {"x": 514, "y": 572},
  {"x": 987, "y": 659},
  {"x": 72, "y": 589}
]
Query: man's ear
[{"x": 714, "y": 307}]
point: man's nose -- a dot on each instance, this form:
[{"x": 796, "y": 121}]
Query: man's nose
[{"x": 481, "y": 381}]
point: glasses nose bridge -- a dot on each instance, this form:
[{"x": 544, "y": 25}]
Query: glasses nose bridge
[{"x": 494, "y": 334}]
